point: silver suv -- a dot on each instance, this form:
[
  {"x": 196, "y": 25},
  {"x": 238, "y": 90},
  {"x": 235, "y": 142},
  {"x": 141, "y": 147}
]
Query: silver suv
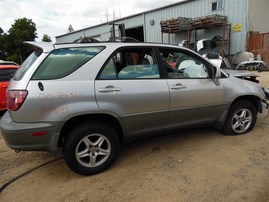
[{"x": 88, "y": 98}]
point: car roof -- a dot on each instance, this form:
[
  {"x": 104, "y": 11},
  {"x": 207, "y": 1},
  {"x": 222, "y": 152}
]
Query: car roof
[
  {"x": 9, "y": 66},
  {"x": 119, "y": 44},
  {"x": 2, "y": 62},
  {"x": 47, "y": 46}
]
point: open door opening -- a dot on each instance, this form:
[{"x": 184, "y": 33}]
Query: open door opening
[{"x": 137, "y": 33}]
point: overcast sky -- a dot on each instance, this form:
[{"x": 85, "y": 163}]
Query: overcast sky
[{"x": 53, "y": 17}]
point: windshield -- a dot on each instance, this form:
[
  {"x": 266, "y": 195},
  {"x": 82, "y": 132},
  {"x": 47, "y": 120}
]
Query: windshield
[{"x": 26, "y": 64}]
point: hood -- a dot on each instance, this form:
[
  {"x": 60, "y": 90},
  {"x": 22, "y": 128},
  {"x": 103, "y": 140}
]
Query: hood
[{"x": 237, "y": 73}]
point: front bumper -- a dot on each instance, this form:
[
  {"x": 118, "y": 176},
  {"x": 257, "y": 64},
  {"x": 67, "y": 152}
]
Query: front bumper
[
  {"x": 264, "y": 102},
  {"x": 264, "y": 106},
  {"x": 29, "y": 136}
]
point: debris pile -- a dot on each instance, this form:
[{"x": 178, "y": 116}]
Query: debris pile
[
  {"x": 183, "y": 24},
  {"x": 209, "y": 21}
]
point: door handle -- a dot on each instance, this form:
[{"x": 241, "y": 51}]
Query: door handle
[
  {"x": 178, "y": 86},
  {"x": 109, "y": 89}
]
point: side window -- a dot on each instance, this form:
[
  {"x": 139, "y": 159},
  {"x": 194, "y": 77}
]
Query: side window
[
  {"x": 183, "y": 65},
  {"x": 62, "y": 62},
  {"x": 131, "y": 63},
  {"x": 109, "y": 71}
]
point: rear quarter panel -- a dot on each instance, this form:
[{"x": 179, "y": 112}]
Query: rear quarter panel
[
  {"x": 59, "y": 101},
  {"x": 62, "y": 98}
]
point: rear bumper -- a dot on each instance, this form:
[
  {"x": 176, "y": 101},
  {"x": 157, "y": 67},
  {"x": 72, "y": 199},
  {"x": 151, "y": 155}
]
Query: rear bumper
[{"x": 29, "y": 136}]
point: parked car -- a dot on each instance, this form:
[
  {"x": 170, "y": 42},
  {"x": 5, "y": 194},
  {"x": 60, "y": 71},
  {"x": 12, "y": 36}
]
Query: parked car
[
  {"x": 6, "y": 71},
  {"x": 88, "y": 98},
  {"x": 3, "y": 62}
]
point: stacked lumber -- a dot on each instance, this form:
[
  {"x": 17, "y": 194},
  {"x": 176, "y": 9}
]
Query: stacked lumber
[
  {"x": 209, "y": 21},
  {"x": 175, "y": 25}
]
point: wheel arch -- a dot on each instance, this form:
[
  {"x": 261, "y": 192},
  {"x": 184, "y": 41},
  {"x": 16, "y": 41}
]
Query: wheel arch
[
  {"x": 255, "y": 100},
  {"x": 105, "y": 118},
  {"x": 235, "y": 124}
]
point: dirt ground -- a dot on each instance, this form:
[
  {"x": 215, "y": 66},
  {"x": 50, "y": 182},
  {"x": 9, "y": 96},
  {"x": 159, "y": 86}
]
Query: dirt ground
[{"x": 192, "y": 165}]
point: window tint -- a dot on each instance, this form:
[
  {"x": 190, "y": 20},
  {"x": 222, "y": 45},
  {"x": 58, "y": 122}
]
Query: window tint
[
  {"x": 109, "y": 71},
  {"x": 5, "y": 74},
  {"x": 131, "y": 63},
  {"x": 183, "y": 65},
  {"x": 62, "y": 62}
]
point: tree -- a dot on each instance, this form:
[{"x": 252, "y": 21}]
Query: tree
[
  {"x": 46, "y": 38},
  {"x": 1, "y": 31},
  {"x": 70, "y": 29},
  {"x": 12, "y": 43},
  {"x": 2, "y": 41}
]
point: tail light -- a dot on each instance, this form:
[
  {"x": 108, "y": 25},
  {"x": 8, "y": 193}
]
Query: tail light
[{"x": 15, "y": 99}]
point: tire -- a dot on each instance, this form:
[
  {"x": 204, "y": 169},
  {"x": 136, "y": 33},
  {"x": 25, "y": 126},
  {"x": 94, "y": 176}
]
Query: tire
[
  {"x": 241, "y": 118},
  {"x": 91, "y": 148}
]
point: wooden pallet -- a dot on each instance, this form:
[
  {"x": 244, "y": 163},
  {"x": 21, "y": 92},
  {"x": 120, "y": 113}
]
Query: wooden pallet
[{"x": 182, "y": 23}]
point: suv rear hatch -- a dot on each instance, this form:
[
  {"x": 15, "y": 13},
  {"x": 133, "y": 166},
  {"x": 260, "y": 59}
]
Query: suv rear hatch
[{"x": 17, "y": 91}]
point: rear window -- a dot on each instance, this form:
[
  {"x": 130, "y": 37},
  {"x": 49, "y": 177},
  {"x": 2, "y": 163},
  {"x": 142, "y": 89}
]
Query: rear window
[
  {"x": 62, "y": 62},
  {"x": 5, "y": 74}
]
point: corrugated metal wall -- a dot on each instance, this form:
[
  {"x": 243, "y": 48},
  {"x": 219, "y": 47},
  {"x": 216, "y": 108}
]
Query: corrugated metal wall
[
  {"x": 102, "y": 31},
  {"x": 236, "y": 10}
]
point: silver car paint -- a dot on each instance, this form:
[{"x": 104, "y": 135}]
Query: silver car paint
[
  {"x": 57, "y": 104},
  {"x": 198, "y": 101},
  {"x": 141, "y": 106},
  {"x": 235, "y": 87}
]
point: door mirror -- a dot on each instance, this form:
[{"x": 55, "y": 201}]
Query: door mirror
[{"x": 216, "y": 72}]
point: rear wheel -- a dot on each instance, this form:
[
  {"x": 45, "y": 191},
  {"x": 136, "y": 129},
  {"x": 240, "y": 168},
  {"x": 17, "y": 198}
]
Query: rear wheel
[
  {"x": 241, "y": 118},
  {"x": 91, "y": 148}
]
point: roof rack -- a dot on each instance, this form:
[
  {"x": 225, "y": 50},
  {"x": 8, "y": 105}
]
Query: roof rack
[
  {"x": 115, "y": 39},
  {"x": 123, "y": 39},
  {"x": 86, "y": 40}
]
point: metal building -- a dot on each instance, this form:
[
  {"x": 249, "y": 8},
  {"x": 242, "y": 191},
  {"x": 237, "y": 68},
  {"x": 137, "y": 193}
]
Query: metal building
[{"x": 242, "y": 16}]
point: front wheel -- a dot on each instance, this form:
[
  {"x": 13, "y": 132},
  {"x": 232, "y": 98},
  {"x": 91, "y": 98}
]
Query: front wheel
[
  {"x": 241, "y": 118},
  {"x": 91, "y": 148}
]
